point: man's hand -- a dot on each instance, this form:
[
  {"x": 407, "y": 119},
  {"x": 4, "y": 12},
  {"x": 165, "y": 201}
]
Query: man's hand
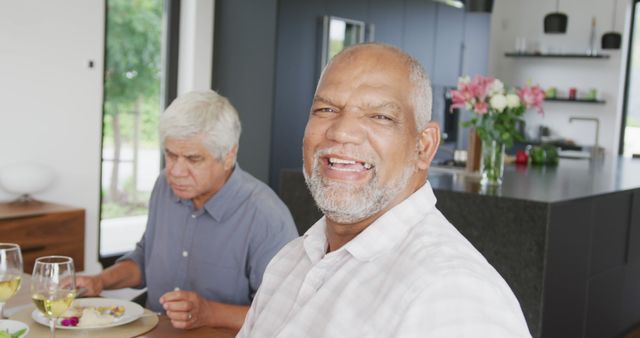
[
  {"x": 186, "y": 309},
  {"x": 93, "y": 284},
  {"x": 125, "y": 274}
]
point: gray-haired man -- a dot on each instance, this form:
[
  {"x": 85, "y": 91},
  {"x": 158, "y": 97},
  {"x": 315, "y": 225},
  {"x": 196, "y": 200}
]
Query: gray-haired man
[{"x": 212, "y": 227}]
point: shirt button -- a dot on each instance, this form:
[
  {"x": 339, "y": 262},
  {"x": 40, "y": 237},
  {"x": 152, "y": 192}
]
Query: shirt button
[
  {"x": 176, "y": 289},
  {"x": 185, "y": 253},
  {"x": 193, "y": 215}
]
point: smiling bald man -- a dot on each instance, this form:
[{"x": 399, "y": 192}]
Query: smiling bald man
[{"x": 383, "y": 261}]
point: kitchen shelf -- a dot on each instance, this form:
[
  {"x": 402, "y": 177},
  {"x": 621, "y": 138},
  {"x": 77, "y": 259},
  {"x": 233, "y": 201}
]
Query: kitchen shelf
[
  {"x": 567, "y": 55},
  {"x": 561, "y": 99}
]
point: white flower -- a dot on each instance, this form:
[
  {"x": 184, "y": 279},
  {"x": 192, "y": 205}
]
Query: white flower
[
  {"x": 498, "y": 102},
  {"x": 497, "y": 87},
  {"x": 464, "y": 79},
  {"x": 513, "y": 101}
]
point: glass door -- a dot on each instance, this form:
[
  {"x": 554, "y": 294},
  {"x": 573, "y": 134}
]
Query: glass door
[{"x": 131, "y": 155}]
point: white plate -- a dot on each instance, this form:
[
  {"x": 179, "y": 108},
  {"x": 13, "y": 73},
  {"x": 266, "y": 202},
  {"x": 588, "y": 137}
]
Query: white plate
[
  {"x": 132, "y": 311},
  {"x": 13, "y": 326}
]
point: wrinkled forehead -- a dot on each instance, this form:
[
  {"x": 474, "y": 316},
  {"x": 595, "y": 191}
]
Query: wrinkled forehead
[{"x": 375, "y": 76}]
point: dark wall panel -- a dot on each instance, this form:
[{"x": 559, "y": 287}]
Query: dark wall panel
[
  {"x": 475, "y": 59},
  {"x": 420, "y": 31},
  {"x": 448, "y": 46},
  {"x": 383, "y": 15},
  {"x": 352, "y": 9},
  {"x": 296, "y": 73},
  {"x": 243, "y": 71}
]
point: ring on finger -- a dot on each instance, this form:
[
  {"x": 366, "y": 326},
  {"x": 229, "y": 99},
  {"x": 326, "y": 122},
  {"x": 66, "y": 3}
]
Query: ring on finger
[{"x": 189, "y": 316}]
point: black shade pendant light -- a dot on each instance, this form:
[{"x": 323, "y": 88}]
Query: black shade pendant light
[
  {"x": 556, "y": 22},
  {"x": 612, "y": 39}
]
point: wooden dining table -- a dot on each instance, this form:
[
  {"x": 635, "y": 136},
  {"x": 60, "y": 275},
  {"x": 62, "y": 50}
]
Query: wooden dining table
[{"x": 164, "y": 329}]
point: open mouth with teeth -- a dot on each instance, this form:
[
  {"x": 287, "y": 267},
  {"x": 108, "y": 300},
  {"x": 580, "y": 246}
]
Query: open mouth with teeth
[{"x": 341, "y": 164}]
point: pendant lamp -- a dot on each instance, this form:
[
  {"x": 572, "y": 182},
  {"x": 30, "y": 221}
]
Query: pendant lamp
[
  {"x": 612, "y": 39},
  {"x": 556, "y": 22}
]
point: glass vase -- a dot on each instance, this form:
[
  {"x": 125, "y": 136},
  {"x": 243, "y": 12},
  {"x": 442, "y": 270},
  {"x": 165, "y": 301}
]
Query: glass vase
[{"x": 492, "y": 162}]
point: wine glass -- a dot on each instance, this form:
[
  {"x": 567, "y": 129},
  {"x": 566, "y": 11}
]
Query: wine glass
[
  {"x": 53, "y": 287},
  {"x": 10, "y": 272}
]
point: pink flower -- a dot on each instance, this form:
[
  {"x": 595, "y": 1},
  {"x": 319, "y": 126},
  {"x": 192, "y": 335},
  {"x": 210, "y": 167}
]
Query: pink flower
[
  {"x": 458, "y": 99},
  {"x": 532, "y": 97},
  {"x": 70, "y": 321},
  {"x": 475, "y": 93},
  {"x": 481, "y": 108},
  {"x": 480, "y": 86}
]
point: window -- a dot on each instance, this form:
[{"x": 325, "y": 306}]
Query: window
[
  {"x": 131, "y": 155},
  {"x": 630, "y": 136},
  {"x": 338, "y": 34}
]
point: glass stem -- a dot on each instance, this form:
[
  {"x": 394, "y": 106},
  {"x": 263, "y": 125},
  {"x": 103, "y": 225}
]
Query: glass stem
[{"x": 52, "y": 327}]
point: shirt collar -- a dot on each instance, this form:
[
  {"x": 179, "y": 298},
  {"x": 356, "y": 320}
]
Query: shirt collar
[
  {"x": 315, "y": 240},
  {"x": 382, "y": 235}
]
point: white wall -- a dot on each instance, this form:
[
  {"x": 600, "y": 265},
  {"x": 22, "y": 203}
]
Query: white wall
[
  {"x": 524, "y": 18},
  {"x": 50, "y": 100}
]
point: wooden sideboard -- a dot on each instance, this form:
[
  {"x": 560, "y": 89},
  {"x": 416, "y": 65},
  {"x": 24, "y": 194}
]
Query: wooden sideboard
[{"x": 43, "y": 229}]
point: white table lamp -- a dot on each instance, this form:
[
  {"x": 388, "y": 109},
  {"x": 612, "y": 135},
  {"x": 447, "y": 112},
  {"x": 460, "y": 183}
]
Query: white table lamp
[{"x": 25, "y": 179}]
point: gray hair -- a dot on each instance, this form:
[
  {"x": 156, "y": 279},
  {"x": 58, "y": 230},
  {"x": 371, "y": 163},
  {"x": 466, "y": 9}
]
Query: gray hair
[
  {"x": 421, "y": 96},
  {"x": 203, "y": 113}
]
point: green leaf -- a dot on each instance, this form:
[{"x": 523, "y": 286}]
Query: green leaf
[{"x": 18, "y": 333}]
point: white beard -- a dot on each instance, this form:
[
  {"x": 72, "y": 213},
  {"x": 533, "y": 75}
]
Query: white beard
[{"x": 346, "y": 203}]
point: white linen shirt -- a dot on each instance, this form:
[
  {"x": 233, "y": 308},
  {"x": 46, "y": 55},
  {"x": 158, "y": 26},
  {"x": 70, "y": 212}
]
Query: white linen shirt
[{"x": 409, "y": 274}]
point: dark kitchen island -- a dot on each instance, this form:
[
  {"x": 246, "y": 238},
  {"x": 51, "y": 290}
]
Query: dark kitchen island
[{"x": 565, "y": 238}]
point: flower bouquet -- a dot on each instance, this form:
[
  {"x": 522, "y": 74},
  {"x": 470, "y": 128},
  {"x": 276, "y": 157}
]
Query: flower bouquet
[{"x": 496, "y": 113}]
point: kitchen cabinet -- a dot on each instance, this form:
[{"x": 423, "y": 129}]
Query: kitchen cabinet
[{"x": 43, "y": 229}]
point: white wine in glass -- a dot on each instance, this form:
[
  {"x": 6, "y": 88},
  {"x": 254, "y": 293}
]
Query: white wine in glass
[
  {"x": 53, "y": 287},
  {"x": 10, "y": 272}
]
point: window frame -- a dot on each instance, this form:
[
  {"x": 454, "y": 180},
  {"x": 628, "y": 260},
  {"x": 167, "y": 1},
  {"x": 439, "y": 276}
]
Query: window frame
[
  {"x": 169, "y": 85},
  {"x": 627, "y": 75}
]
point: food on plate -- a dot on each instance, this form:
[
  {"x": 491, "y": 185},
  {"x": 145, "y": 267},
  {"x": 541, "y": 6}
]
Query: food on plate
[
  {"x": 7, "y": 334},
  {"x": 87, "y": 316}
]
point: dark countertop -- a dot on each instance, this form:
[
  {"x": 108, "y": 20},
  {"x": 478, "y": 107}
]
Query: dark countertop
[{"x": 570, "y": 179}]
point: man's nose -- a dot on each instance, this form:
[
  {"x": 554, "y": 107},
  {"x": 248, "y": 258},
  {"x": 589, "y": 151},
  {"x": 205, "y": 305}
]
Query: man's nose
[
  {"x": 179, "y": 167},
  {"x": 347, "y": 128}
]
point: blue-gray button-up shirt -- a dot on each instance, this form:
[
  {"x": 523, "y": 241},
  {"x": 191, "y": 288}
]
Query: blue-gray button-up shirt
[{"x": 219, "y": 251}]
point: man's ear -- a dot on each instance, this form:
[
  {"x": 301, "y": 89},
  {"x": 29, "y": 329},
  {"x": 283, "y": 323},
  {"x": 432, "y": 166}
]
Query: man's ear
[
  {"x": 428, "y": 142},
  {"x": 230, "y": 158}
]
